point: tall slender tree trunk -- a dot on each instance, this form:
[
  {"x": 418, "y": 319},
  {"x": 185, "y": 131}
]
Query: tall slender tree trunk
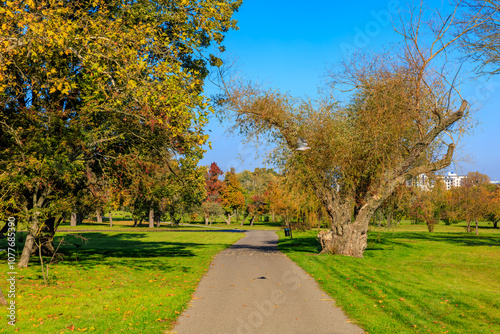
[
  {"x": 110, "y": 219},
  {"x": 477, "y": 228},
  {"x": 253, "y": 219},
  {"x": 151, "y": 217},
  {"x": 157, "y": 219},
  {"x": 245, "y": 216},
  {"x": 468, "y": 226}
]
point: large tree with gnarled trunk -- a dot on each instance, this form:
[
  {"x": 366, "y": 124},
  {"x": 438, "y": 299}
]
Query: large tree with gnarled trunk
[{"x": 400, "y": 118}]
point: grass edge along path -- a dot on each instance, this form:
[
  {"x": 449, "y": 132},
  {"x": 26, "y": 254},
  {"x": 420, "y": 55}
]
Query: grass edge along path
[
  {"x": 117, "y": 282},
  {"x": 410, "y": 282}
]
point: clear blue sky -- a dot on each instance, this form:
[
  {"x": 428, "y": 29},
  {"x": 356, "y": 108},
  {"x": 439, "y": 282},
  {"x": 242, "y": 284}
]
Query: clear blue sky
[{"x": 291, "y": 44}]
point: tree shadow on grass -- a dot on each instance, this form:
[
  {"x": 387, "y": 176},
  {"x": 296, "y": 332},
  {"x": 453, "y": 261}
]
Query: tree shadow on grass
[
  {"x": 460, "y": 239},
  {"x": 124, "y": 249},
  {"x": 387, "y": 241},
  {"x": 300, "y": 244}
]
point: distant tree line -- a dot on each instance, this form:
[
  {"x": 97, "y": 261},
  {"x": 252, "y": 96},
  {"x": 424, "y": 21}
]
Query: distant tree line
[{"x": 475, "y": 200}]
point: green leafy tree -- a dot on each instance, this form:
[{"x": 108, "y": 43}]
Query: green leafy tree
[{"x": 85, "y": 85}]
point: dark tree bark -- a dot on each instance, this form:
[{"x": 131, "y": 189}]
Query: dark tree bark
[
  {"x": 245, "y": 216},
  {"x": 42, "y": 235},
  {"x": 253, "y": 219},
  {"x": 158, "y": 219},
  {"x": 5, "y": 228}
]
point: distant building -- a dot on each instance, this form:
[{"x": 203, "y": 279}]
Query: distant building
[
  {"x": 421, "y": 181},
  {"x": 453, "y": 180}
]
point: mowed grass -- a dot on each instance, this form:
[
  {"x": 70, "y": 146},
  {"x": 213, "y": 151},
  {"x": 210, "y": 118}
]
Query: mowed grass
[
  {"x": 117, "y": 282},
  {"x": 411, "y": 281}
]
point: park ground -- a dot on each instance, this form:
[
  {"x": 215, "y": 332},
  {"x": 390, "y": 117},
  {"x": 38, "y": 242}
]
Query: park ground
[{"x": 137, "y": 280}]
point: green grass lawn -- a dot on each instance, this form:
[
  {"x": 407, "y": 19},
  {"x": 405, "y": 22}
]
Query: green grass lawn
[
  {"x": 118, "y": 282},
  {"x": 411, "y": 281}
]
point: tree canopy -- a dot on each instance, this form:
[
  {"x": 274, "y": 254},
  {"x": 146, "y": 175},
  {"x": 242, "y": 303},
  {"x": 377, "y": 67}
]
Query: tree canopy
[{"x": 87, "y": 86}]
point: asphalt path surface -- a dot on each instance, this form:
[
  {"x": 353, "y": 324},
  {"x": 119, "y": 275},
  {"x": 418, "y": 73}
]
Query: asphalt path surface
[{"x": 252, "y": 288}]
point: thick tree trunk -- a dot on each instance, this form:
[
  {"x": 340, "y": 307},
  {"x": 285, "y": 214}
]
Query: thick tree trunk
[
  {"x": 151, "y": 218},
  {"x": 349, "y": 239},
  {"x": 29, "y": 244},
  {"x": 207, "y": 218},
  {"x": 495, "y": 224},
  {"x": 110, "y": 219},
  {"x": 74, "y": 219},
  {"x": 98, "y": 216},
  {"x": 26, "y": 254}
]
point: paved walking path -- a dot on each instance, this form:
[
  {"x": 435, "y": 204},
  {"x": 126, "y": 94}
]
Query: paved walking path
[{"x": 252, "y": 288}]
